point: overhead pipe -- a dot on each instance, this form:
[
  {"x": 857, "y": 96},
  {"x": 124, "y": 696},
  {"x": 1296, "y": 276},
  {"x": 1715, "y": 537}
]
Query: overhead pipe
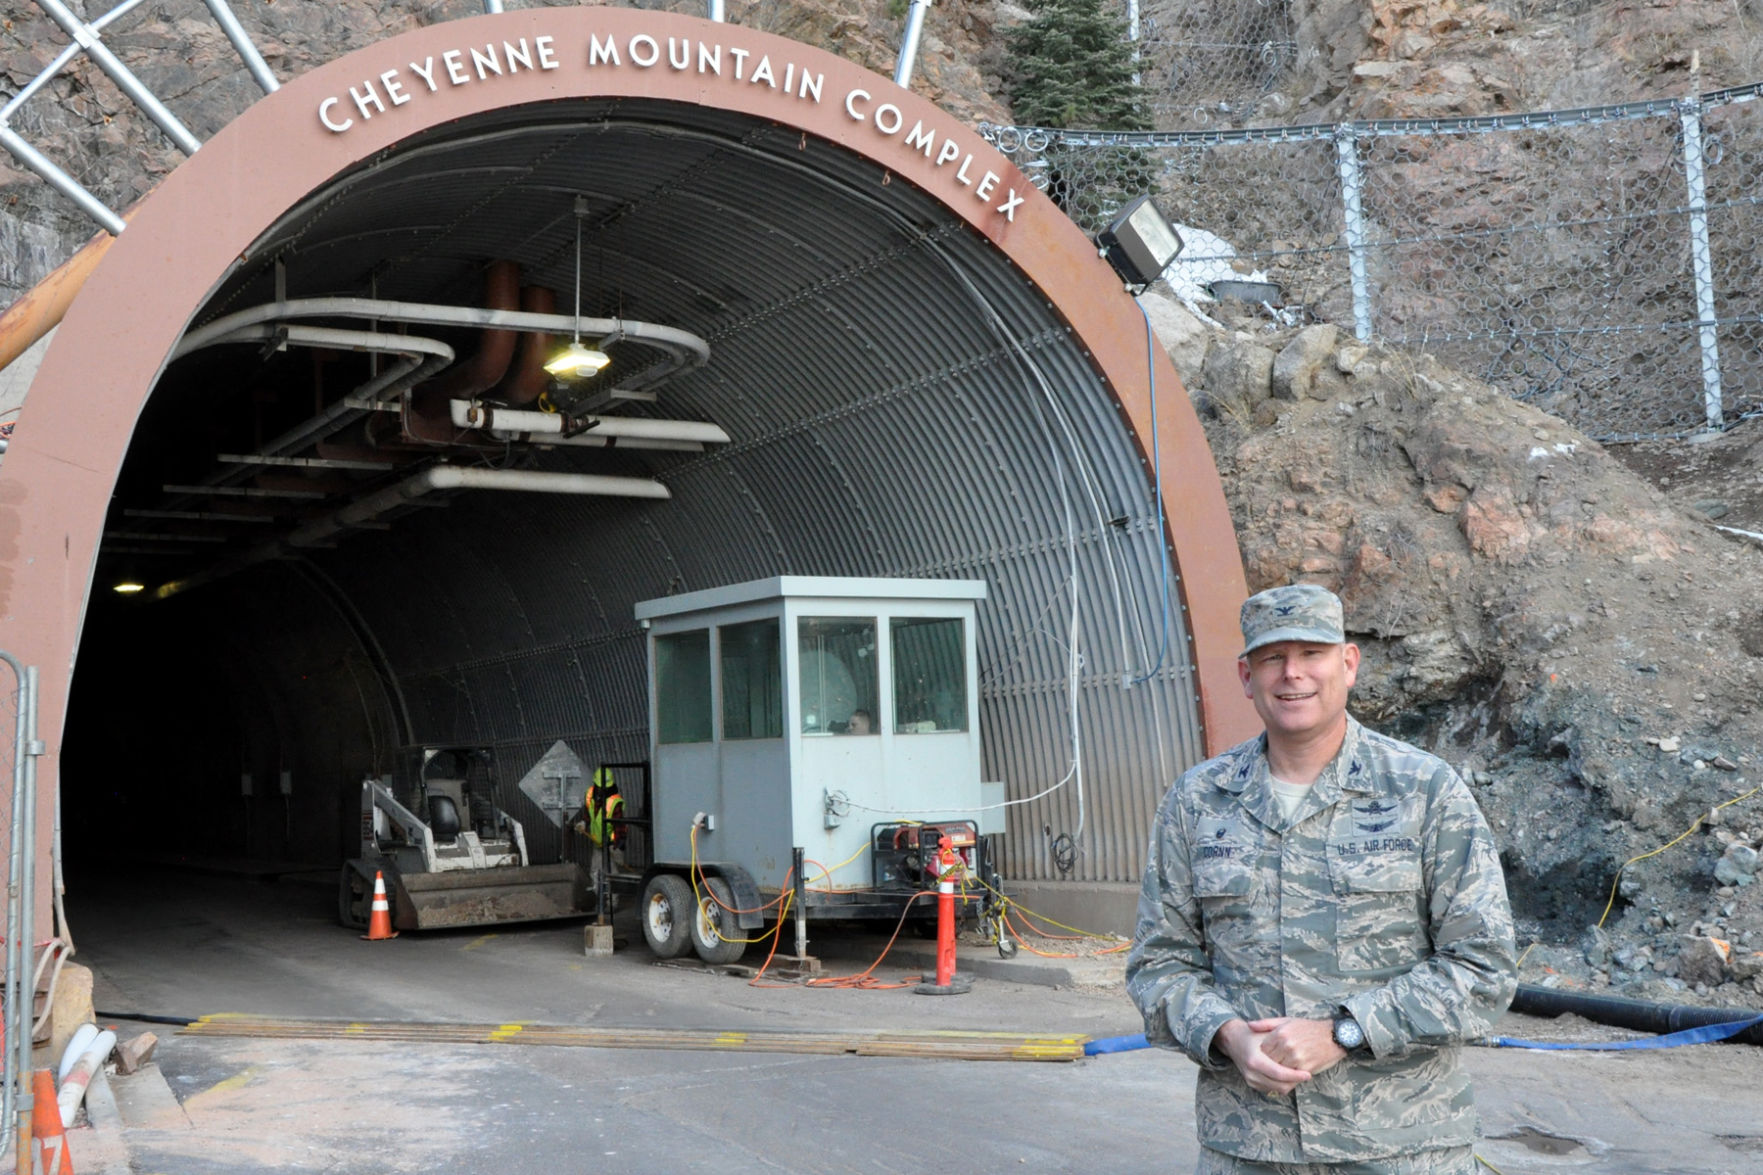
[
  {"x": 466, "y": 414},
  {"x": 527, "y": 378},
  {"x": 485, "y": 368},
  {"x": 419, "y": 359},
  {"x": 588, "y": 440},
  {"x": 425, "y": 411},
  {"x": 437, "y": 477},
  {"x": 687, "y": 350},
  {"x": 463, "y": 477}
]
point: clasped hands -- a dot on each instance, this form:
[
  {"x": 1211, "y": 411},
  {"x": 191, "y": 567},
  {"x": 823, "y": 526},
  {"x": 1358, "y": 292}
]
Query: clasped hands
[{"x": 1281, "y": 1053}]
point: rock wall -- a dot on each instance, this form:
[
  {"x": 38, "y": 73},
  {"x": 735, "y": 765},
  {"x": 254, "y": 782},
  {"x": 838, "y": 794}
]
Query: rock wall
[{"x": 1531, "y": 610}]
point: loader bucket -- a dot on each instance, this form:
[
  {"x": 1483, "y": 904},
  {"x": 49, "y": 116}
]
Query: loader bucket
[{"x": 488, "y": 897}]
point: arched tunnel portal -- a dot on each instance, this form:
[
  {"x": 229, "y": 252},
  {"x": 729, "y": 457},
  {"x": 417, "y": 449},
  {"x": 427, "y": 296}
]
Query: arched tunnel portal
[{"x": 846, "y": 338}]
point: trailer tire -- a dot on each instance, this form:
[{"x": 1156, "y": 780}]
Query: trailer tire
[
  {"x": 715, "y": 936},
  {"x": 667, "y": 915}
]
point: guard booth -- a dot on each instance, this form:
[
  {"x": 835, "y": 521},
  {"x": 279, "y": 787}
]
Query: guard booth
[{"x": 834, "y": 715}]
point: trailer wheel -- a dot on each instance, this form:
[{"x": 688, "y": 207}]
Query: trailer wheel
[
  {"x": 352, "y": 899},
  {"x": 715, "y": 936},
  {"x": 667, "y": 915}
]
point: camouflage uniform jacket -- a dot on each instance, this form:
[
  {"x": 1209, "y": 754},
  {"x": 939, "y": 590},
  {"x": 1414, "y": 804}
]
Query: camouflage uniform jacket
[{"x": 1382, "y": 895}]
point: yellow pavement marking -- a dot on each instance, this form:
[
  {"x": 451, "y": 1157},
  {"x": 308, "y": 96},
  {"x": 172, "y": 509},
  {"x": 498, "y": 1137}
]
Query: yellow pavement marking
[
  {"x": 475, "y": 943},
  {"x": 953, "y": 1044},
  {"x": 237, "y": 1081}
]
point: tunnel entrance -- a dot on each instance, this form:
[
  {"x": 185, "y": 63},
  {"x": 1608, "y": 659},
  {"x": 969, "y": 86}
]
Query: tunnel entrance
[{"x": 363, "y": 518}]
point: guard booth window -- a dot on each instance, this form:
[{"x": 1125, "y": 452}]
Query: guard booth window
[
  {"x": 837, "y": 658},
  {"x": 752, "y": 681},
  {"x": 930, "y": 675},
  {"x": 682, "y": 687}
]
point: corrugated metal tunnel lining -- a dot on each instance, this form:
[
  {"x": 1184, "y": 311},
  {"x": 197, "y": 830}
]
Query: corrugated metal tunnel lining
[{"x": 899, "y": 401}]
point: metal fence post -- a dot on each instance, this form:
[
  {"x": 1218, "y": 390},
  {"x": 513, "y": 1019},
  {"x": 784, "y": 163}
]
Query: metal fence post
[
  {"x": 16, "y": 1102},
  {"x": 1346, "y": 142},
  {"x": 1689, "y": 113}
]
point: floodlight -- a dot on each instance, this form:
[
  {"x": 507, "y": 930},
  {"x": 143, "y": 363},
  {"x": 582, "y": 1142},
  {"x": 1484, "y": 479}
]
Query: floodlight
[{"x": 1140, "y": 242}]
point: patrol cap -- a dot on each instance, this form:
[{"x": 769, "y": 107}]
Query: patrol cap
[{"x": 1296, "y": 612}]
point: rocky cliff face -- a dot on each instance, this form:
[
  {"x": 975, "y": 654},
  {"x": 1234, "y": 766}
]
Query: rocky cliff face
[
  {"x": 1443, "y": 58},
  {"x": 1533, "y": 612}
]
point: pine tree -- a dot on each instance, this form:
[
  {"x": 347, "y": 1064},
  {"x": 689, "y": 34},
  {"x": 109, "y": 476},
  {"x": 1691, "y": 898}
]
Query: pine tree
[{"x": 1070, "y": 66}]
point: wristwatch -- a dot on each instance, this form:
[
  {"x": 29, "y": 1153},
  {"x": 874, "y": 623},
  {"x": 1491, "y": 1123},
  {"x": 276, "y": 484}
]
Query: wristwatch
[{"x": 1347, "y": 1032}]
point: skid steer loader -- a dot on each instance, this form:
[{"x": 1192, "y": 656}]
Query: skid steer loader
[{"x": 449, "y": 855}]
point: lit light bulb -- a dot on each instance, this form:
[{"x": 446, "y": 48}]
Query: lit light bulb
[{"x": 578, "y": 361}]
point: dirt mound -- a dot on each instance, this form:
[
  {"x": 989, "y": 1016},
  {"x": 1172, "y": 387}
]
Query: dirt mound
[{"x": 1534, "y": 612}]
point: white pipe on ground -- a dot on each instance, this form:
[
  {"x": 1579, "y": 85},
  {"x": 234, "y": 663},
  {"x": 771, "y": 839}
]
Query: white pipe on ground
[
  {"x": 73, "y": 1086},
  {"x": 467, "y": 414}
]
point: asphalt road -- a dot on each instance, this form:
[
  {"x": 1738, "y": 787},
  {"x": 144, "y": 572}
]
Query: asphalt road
[{"x": 165, "y": 943}]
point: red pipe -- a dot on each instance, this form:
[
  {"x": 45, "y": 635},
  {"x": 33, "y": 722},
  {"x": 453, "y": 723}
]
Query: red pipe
[
  {"x": 426, "y": 418},
  {"x": 527, "y": 378}
]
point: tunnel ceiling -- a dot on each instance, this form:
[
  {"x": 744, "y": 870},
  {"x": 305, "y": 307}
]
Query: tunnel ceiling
[
  {"x": 816, "y": 281},
  {"x": 897, "y": 399}
]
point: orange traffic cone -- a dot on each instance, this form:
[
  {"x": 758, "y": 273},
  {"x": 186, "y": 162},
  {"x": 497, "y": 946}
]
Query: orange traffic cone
[
  {"x": 380, "y": 925},
  {"x": 46, "y": 1126}
]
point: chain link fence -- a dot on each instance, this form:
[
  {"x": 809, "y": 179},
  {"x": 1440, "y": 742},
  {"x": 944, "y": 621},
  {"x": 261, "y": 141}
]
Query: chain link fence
[
  {"x": 1597, "y": 263},
  {"x": 1206, "y": 58}
]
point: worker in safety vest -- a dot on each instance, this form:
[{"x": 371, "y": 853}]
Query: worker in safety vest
[{"x": 601, "y": 803}]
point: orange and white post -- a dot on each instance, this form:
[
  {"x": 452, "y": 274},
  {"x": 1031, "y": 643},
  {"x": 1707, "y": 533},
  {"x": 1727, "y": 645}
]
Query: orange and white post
[{"x": 948, "y": 983}]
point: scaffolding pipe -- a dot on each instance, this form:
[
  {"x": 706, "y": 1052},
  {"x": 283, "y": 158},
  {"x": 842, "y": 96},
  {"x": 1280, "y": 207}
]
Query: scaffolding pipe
[
  {"x": 119, "y": 73},
  {"x": 61, "y": 181},
  {"x": 242, "y": 44},
  {"x": 909, "y": 42}
]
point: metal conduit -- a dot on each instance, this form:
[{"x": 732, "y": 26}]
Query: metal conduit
[
  {"x": 687, "y": 349},
  {"x": 467, "y": 414},
  {"x": 440, "y": 477},
  {"x": 421, "y": 358},
  {"x": 454, "y": 477}
]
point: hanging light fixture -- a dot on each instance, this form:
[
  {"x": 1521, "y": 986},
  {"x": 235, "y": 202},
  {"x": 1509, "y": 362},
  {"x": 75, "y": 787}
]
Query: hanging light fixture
[{"x": 578, "y": 360}]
